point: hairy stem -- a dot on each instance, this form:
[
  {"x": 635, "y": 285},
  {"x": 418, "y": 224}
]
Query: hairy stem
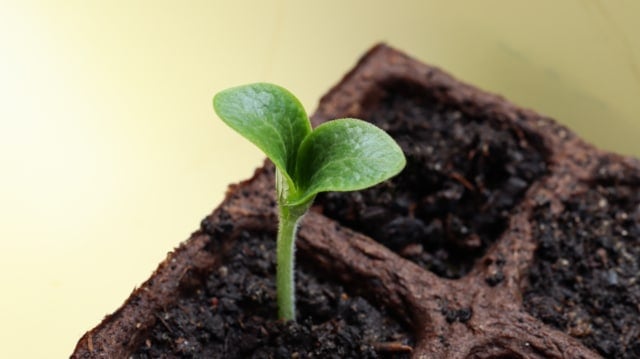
[
  {"x": 288, "y": 219},
  {"x": 285, "y": 285}
]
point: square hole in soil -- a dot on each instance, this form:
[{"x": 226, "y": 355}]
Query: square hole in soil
[
  {"x": 465, "y": 175},
  {"x": 231, "y": 313},
  {"x": 585, "y": 278}
]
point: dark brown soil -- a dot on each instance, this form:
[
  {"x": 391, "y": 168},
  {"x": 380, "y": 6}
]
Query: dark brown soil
[
  {"x": 585, "y": 279},
  {"x": 232, "y": 314},
  {"x": 464, "y": 176}
]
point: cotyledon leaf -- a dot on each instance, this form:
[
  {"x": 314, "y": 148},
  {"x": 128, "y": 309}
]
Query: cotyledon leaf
[
  {"x": 345, "y": 155},
  {"x": 270, "y": 117}
]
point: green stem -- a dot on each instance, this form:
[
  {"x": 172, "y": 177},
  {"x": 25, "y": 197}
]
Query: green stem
[
  {"x": 285, "y": 285},
  {"x": 289, "y": 216}
]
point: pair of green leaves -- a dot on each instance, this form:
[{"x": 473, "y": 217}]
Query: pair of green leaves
[{"x": 339, "y": 155}]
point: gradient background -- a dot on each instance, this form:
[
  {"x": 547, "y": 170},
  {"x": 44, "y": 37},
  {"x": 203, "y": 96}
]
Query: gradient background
[{"x": 110, "y": 153}]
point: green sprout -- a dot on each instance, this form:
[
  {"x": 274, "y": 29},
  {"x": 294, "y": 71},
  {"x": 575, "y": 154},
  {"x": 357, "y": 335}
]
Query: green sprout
[{"x": 339, "y": 155}]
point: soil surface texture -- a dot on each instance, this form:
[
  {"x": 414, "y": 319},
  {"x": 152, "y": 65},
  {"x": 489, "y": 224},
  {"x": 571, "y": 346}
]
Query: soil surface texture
[
  {"x": 585, "y": 278},
  {"x": 232, "y": 314},
  {"x": 464, "y": 176}
]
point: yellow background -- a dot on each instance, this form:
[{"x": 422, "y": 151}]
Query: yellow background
[{"x": 110, "y": 153}]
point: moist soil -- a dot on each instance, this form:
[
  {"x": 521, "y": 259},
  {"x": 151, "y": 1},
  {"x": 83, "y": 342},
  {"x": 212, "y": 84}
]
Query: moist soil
[
  {"x": 232, "y": 314},
  {"x": 464, "y": 176},
  {"x": 585, "y": 279}
]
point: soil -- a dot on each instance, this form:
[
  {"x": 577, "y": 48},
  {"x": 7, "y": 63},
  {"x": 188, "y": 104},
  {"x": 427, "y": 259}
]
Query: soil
[
  {"x": 464, "y": 176},
  {"x": 232, "y": 314},
  {"x": 585, "y": 279}
]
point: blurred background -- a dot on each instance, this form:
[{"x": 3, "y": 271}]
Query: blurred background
[{"x": 110, "y": 152}]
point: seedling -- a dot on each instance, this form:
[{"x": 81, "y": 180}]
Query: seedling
[{"x": 339, "y": 155}]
